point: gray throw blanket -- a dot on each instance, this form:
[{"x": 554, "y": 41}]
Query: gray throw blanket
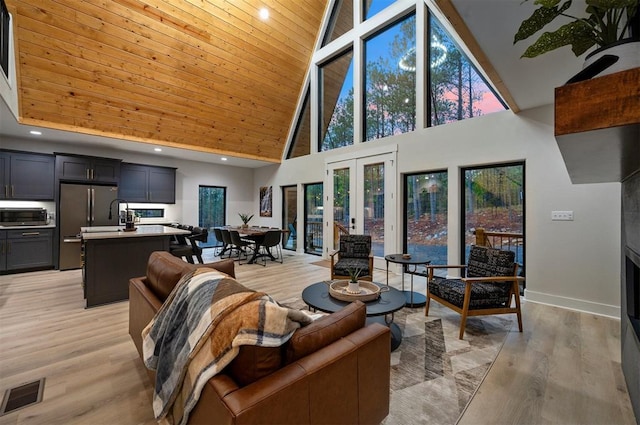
[{"x": 198, "y": 331}]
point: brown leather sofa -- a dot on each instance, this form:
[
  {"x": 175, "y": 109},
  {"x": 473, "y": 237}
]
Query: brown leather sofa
[{"x": 333, "y": 371}]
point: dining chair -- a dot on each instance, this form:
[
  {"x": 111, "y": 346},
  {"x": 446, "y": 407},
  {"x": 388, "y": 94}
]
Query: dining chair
[
  {"x": 240, "y": 245},
  {"x": 271, "y": 240},
  {"x": 220, "y": 246},
  {"x": 226, "y": 240}
]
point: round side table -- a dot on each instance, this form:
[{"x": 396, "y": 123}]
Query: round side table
[{"x": 409, "y": 265}]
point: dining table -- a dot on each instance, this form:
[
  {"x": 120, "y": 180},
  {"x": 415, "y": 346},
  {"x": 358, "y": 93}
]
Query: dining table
[{"x": 256, "y": 235}]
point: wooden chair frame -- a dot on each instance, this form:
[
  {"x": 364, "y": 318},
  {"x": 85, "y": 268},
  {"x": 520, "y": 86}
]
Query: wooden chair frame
[{"x": 465, "y": 311}]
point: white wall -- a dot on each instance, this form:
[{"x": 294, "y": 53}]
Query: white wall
[
  {"x": 572, "y": 264},
  {"x": 189, "y": 175}
]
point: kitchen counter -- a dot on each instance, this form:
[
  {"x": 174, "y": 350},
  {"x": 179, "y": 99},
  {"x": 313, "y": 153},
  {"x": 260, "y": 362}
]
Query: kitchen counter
[
  {"x": 113, "y": 256},
  {"x": 40, "y": 226},
  {"x": 145, "y": 230}
]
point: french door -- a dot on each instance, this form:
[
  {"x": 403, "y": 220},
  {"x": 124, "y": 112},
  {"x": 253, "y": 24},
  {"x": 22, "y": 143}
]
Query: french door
[{"x": 360, "y": 199}]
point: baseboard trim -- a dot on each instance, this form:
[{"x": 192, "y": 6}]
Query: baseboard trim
[{"x": 606, "y": 310}]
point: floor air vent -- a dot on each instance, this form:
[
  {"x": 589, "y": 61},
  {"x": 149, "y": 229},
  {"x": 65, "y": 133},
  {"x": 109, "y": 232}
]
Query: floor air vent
[{"x": 22, "y": 396}]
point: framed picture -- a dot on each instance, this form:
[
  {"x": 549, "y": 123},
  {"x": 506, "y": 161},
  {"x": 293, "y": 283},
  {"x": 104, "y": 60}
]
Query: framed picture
[{"x": 266, "y": 203}]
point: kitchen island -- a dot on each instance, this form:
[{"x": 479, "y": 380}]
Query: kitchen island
[{"x": 112, "y": 256}]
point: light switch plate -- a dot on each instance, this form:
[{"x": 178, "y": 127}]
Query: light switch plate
[{"x": 562, "y": 215}]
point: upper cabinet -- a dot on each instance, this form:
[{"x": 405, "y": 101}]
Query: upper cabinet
[
  {"x": 146, "y": 183},
  {"x": 87, "y": 169},
  {"x": 26, "y": 176}
]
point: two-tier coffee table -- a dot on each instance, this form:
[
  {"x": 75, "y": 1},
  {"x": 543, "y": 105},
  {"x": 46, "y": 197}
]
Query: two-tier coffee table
[
  {"x": 317, "y": 297},
  {"x": 409, "y": 265}
]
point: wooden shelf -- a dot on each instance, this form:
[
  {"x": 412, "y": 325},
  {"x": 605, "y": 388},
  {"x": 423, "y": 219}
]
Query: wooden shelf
[{"x": 597, "y": 127}]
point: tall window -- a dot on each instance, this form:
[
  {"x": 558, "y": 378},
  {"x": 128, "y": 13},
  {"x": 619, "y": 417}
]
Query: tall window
[
  {"x": 212, "y": 207},
  {"x": 336, "y": 97},
  {"x": 301, "y": 144},
  {"x": 390, "y": 81},
  {"x": 341, "y": 21},
  {"x": 457, "y": 90},
  {"x": 371, "y": 7},
  {"x": 494, "y": 201},
  {"x": 313, "y": 238},
  {"x": 4, "y": 38},
  {"x": 290, "y": 215},
  {"x": 425, "y": 215}
]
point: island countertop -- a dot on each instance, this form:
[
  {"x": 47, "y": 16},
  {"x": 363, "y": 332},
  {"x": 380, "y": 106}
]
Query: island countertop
[{"x": 112, "y": 232}]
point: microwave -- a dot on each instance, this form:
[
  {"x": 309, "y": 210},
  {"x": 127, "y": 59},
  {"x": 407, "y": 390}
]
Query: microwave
[{"x": 23, "y": 216}]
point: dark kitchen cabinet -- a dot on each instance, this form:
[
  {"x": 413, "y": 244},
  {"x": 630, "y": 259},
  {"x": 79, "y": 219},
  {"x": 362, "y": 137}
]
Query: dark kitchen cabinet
[
  {"x": 87, "y": 169},
  {"x": 28, "y": 249},
  {"x": 26, "y": 176},
  {"x": 146, "y": 183},
  {"x": 3, "y": 250}
]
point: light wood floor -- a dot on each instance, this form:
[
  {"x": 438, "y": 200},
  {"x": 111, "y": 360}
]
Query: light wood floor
[{"x": 565, "y": 367}]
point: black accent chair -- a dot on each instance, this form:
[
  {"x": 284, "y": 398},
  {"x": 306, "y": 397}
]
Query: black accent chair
[
  {"x": 354, "y": 254},
  {"x": 490, "y": 285}
]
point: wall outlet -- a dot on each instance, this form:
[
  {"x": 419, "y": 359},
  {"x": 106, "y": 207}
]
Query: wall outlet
[{"x": 562, "y": 215}]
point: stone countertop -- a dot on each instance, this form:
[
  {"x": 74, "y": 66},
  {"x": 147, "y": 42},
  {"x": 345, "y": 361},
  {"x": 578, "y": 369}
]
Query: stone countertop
[{"x": 113, "y": 232}]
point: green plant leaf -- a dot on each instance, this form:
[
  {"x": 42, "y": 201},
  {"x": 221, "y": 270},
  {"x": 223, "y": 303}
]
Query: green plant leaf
[
  {"x": 540, "y": 17},
  {"x": 577, "y": 34}
]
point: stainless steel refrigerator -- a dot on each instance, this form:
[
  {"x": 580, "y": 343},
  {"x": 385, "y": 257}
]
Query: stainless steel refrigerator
[{"x": 82, "y": 205}]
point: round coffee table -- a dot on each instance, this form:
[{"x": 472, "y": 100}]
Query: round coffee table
[
  {"x": 317, "y": 297},
  {"x": 409, "y": 265}
]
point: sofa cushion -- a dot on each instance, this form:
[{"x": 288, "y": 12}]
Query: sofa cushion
[
  {"x": 483, "y": 295},
  {"x": 355, "y": 246},
  {"x": 253, "y": 363},
  {"x": 486, "y": 262},
  {"x": 165, "y": 270},
  {"x": 325, "y": 331}
]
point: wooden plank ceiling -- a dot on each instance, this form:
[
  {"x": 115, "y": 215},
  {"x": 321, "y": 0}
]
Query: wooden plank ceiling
[{"x": 207, "y": 75}]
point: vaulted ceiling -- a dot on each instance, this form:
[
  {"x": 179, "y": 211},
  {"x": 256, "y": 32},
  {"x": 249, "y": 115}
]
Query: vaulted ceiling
[{"x": 209, "y": 75}]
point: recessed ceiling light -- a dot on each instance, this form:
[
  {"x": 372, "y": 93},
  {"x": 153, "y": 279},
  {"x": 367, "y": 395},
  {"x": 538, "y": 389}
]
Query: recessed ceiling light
[
  {"x": 157, "y": 149},
  {"x": 264, "y": 13},
  {"x": 36, "y": 133},
  {"x": 223, "y": 159}
]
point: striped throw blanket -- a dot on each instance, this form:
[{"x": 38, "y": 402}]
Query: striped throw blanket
[{"x": 198, "y": 331}]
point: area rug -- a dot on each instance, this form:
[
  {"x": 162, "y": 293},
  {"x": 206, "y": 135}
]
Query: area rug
[
  {"x": 434, "y": 374},
  {"x": 322, "y": 263}
]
